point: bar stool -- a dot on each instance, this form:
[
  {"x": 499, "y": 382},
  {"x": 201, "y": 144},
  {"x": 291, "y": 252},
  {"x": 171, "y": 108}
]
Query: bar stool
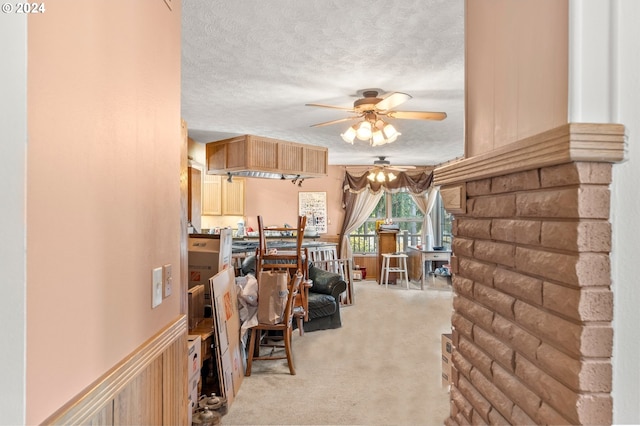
[{"x": 400, "y": 267}]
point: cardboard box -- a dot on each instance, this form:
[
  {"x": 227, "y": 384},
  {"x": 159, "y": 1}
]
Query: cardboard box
[
  {"x": 227, "y": 335},
  {"x": 195, "y": 297},
  {"x": 446, "y": 379},
  {"x": 447, "y": 345},
  {"x": 195, "y": 357},
  {"x": 194, "y": 383},
  {"x": 447, "y": 348}
]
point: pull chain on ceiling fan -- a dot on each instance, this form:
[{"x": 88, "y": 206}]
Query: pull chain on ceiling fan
[{"x": 371, "y": 110}]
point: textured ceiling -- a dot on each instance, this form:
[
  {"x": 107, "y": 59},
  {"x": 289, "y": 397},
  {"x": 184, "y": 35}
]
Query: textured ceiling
[{"x": 250, "y": 66}]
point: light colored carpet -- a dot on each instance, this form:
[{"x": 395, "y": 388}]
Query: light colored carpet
[{"x": 383, "y": 367}]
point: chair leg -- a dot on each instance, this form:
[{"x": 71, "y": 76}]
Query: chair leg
[
  {"x": 252, "y": 340},
  {"x": 287, "y": 348},
  {"x": 406, "y": 273}
]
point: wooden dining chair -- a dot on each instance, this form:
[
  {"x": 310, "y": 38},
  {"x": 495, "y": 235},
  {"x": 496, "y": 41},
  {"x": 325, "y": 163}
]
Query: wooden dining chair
[
  {"x": 293, "y": 259},
  {"x": 259, "y": 333}
]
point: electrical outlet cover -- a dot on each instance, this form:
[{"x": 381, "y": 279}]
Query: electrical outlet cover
[{"x": 156, "y": 287}]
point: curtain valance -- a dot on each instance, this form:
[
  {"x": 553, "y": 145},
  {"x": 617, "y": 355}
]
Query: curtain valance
[{"x": 416, "y": 183}]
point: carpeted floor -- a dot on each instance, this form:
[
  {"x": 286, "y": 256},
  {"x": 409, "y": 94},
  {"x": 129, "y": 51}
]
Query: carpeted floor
[{"x": 383, "y": 367}]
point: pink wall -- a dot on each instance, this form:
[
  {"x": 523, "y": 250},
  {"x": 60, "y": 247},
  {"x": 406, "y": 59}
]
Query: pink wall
[
  {"x": 103, "y": 195},
  {"x": 517, "y": 71},
  {"x": 277, "y": 201}
]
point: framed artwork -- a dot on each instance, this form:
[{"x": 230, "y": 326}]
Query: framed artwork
[{"x": 314, "y": 206}]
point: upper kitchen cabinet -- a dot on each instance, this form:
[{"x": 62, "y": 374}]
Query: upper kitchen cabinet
[
  {"x": 233, "y": 197},
  {"x": 256, "y": 156},
  {"x": 211, "y": 195},
  {"x": 220, "y": 197}
]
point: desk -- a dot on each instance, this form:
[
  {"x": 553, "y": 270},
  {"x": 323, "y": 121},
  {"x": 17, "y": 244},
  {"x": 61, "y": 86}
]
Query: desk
[{"x": 418, "y": 259}]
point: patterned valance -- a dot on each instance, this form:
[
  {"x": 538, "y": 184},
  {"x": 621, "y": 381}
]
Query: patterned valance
[{"x": 416, "y": 183}]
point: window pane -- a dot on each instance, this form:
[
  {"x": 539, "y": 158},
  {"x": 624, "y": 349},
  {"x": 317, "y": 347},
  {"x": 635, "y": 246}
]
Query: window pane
[
  {"x": 403, "y": 206},
  {"x": 404, "y": 213},
  {"x": 380, "y": 212}
]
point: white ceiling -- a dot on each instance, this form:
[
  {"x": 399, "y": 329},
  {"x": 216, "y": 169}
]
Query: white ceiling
[{"x": 250, "y": 66}]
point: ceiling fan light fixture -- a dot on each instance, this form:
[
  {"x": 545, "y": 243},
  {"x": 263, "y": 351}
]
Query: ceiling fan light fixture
[
  {"x": 393, "y": 138},
  {"x": 377, "y": 138},
  {"x": 380, "y": 176},
  {"x": 372, "y": 176},
  {"x": 364, "y": 131},
  {"x": 391, "y": 176},
  {"x": 390, "y": 131},
  {"x": 349, "y": 135}
]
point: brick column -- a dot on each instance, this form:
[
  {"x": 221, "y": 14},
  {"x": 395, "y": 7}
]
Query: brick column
[{"x": 533, "y": 304}]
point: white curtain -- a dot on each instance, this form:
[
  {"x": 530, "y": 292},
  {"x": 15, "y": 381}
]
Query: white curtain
[
  {"x": 363, "y": 205},
  {"x": 427, "y": 225}
]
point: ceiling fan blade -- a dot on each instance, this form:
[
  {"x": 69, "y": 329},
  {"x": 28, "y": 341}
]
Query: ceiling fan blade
[
  {"x": 417, "y": 115},
  {"x": 392, "y": 100},
  {"x": 340, "y": 120},
  {"x": 401, "y": 168},
  {"x": 331, "y": 106}
]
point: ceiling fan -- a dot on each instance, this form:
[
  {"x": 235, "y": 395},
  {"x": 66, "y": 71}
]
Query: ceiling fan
[
  {"x": 383, "y": 164},
  {"x": 383, "y": 170},
  {"x": 373, "y": 104}
]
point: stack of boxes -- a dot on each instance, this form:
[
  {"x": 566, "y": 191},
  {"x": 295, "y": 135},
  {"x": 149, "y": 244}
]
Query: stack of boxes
[
  {"x": 446, "y": 359},
  {"x": 194, "y": 364}
]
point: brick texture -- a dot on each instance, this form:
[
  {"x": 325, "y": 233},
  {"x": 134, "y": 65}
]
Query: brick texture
[
  {"x": 575, "y": 174},
  {"x": 526, "y": 180},
  {"x": 479, "y": 187},
  {"x": 533, "y": 304},
  {"x": 494, "y": 252},
  {"x": 589, "y": 304},
  {"x": 516, "y": 231},
  {"x": 585, "y": 236},
  {"x": 521, "y": 286},
  {"x": 474, "y": 228},
  {"x": 495, "y": 300}
]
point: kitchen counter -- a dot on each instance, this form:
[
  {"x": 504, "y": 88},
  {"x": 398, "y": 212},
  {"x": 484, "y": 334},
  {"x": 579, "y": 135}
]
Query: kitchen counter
[{"x": 248, "y": 246}]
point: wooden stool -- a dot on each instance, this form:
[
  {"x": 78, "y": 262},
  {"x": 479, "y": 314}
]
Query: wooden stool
[{"x": 400, "y": 268}]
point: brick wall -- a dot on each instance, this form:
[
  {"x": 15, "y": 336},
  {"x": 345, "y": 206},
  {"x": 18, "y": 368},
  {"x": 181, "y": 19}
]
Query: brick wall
[{"x": 533, "y": 305}]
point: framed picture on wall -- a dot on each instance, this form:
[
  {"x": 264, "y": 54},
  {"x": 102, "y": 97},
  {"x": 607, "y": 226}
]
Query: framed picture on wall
[{"x": 313, "y": 205}]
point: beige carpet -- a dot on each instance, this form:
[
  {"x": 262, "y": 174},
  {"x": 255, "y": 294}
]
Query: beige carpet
[{"x": 383, "y": 367}]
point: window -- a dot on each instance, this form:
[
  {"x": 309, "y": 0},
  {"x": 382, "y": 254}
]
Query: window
[
  {"x": 401, "y": 209},
  {"x": 441, "y": 220},
  {"x": 403, "y": 212}
]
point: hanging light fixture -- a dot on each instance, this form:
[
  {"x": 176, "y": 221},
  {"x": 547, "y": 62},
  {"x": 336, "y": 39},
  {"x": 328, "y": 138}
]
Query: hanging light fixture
[
  {"x": 372, "y": 129},
  {"x": 381, "y": 176}
]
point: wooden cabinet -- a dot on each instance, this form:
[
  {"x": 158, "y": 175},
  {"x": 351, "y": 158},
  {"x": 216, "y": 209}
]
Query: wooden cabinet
[
  {"x": 211, "y": 195},
  {"x": 386, "y": 244},
  {"x": 194, "y": 209},
  {"x": 233, "y": 197},
  {"x": 244, "y": 155},
  {"x": 220, "y": 197}
]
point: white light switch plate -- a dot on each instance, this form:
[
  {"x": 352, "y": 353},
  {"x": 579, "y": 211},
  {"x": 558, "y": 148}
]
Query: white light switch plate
[{"x": 156, "y": 287}]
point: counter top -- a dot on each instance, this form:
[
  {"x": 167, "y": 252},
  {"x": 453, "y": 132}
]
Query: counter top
[
  {"x": 428, "y": 251},
  {"x": 244, "y": 246}
]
